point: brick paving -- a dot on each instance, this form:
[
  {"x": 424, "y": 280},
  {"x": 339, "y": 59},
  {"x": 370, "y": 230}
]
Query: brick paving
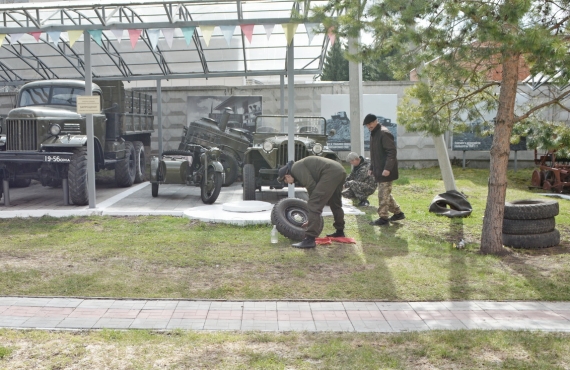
[{"x": 383, "y": 317}]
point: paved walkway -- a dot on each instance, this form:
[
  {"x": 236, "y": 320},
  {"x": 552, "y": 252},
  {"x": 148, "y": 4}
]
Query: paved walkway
[{"x": 74, "y": 313}]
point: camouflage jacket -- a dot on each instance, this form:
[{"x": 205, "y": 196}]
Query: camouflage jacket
[{"x": 360, "y": 174}]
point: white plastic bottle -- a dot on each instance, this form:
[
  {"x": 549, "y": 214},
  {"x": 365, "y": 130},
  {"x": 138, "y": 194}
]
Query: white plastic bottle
[{"x": 274, "y": 235}]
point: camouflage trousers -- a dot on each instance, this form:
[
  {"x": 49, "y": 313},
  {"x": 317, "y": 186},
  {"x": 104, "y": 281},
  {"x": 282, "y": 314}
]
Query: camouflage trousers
[
  {"x": 358, "y": 190},
  {"x": 386, "y": 201}
]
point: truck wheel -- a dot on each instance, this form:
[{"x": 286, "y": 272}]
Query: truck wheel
[
  {"x": 211, "y": 186},
  {"x": 125, "y": 170},
  {"x": 248, "y": 182},
  {"x": 530, "y": 241},
  {"x": 525, "y": 227},
  {"x": 530, "y": 209},
  {"x": 288, "y": 216},
  {"x": 20, "y": 183},
  {"x": 140, "y": 162},
  {"x": 155, "y": 189},
  {"x": 230, "y": 168},
  {"x": 77, "y": 176}
]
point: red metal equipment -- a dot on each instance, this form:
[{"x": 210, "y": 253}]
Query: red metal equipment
[{"x": 553, "y": 173}]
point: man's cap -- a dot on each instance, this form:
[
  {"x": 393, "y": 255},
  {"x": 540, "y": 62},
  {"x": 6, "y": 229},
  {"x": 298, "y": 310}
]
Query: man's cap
[
  {"x": 286, "y": 169},
  {"x": 369, "y": 119},
  {"x": 352, "y": 156}
]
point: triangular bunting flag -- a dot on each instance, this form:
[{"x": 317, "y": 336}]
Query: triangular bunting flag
[
  {"x": 54, "y": 36},
  {"x": 14, "y": 37},
  {"x": 228, "y": 32},
  {"x": 2, "y": 37},
  {"x": 153, "y": 37},
  {"x": 332, "y": 35},
  {"x": 96, "y": 36},
  {"x": 268, "y": 29},
  {"x": 188, "y": 32},
  {"x": 168, "y": 34},
  {"x": 36, "y": 35},
  {"x": 289, "y": 29},
  {"x": 134, "y": 36},
  {"x": 118, "y": 34},
  {"x": 311, "y": 29},
  {"x": 207, "y": 33},
  {"x": 74, "y": 36},
  {"x": 247, "y": 30}
]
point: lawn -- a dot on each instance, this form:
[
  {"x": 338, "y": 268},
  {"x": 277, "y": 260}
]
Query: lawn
[{"x": 170, "y": 257}]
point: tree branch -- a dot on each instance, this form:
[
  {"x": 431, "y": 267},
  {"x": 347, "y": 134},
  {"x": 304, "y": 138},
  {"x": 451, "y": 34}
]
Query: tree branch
[{"x": 543, "y": 105}]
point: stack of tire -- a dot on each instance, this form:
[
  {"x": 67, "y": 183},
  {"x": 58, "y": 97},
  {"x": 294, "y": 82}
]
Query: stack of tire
[{"x": 530, "y": 223}]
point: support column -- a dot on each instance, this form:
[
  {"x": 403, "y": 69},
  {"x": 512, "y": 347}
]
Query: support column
[
  {"x": 282, "y": 103},
  {"x": 356, "y": 104},
  {"x": 90, "y": 136},
  {"x": 291, "y": 109},
  {"x": 444, "y": 164},
  {"x": 159, "y": 114}
]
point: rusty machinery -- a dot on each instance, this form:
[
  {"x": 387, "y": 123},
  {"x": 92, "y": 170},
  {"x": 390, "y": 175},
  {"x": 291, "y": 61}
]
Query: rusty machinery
[{"x": 553, "y": 173}]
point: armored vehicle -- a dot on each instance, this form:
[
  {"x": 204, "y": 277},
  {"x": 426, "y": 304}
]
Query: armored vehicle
[
  {"x": 270, "y": 149},
  {"x": 233, "y": 142},
  {"x": 46, "y": 139}
]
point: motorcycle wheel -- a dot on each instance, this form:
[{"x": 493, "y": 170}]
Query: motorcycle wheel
[{"x": 211, "y": 186}]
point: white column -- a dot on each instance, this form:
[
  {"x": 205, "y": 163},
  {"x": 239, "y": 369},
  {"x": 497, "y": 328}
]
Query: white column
[
  {"x": 356, "y": 104},
  {"x": 291, "y": 110},
  {"x": 90, "y": 136}
]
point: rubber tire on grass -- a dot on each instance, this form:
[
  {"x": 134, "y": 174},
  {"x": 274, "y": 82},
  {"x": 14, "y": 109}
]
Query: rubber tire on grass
[
  {"x": 526, "y": 227},
  {"x": 530, "y": 241},
  {"x": 230, "y": 165},
  {"x": 288, "y": 215},
  {"x": 209, "y": 197},
  {"x": 125, "y": 170},
  {"x": 77, "y": 177},
  {"x": 530, "y": 209},
  {"x": 248, "y": 182},
  {"x": 140, "y": 162}
]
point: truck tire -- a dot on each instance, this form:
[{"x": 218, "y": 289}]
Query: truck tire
[
  {"x": 248, "y": 182},
  {"x": 125, "y": 170},
  {"x": 211, "y": 186},
  {"x": 530, "y": 209},
  {"x": 154, "y": 189},
  {"x": 230, "y": 165},
  {"x": 77, "y": 177},
  {"x": 526, "y": 227},
  {"x": 529, "y": 241},
  {"x": 288, "y": 215},
  {"x": 140, "y": 162},
  {"x": 20, "y": 183}
]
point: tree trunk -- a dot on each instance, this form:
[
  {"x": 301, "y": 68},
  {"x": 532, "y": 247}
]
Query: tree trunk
[{"x": 491, "y": 236}]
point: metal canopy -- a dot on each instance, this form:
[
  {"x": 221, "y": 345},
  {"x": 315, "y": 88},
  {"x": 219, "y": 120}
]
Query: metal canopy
[{"x": 24, "y": 59}]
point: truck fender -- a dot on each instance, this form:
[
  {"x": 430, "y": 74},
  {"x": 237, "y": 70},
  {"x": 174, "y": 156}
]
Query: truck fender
[{"x": 65, "y": 141}]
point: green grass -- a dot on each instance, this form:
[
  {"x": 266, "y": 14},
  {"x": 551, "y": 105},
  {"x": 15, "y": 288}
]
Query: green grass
[
  {"x": 172, "y": 257},
  {"x": 141, "y": 349}
]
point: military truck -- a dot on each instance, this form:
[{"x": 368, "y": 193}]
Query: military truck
[
  {"x": 233, "y": 142},
  {"x": 270, "y": 149},
  {"x": 46, "y": 139}
]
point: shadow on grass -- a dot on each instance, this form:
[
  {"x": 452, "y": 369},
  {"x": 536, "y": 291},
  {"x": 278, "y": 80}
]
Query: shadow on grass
[{"x": 457, "y": 262}]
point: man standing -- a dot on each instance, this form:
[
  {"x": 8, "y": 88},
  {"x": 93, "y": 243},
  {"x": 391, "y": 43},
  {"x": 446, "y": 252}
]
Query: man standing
[
  {"x": 384, "y": 168},
  {"x": 323, "y": 178},
  {"x": 359, "y": 184}
]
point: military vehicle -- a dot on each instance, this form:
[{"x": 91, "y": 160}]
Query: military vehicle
[
  {"x": 270, "y": 149},
  {"x": 233, "y": 142},
  {"x": 46, "y": 139}
]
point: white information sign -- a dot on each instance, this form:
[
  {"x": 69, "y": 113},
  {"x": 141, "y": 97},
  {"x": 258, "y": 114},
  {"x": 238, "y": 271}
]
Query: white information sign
[{"x": 88, "y": 104}]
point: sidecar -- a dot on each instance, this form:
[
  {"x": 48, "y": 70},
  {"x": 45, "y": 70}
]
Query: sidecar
[{"x": 197, "y": 166}]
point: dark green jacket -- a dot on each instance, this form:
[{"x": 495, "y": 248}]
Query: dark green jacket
[
  {"x": 383, "y": 154},
  {"x": 309, "y": 170}
]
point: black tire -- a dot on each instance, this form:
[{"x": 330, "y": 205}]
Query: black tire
[
  {"x": 230, "y": 164},
  {"x": 526, "y": 227},
  {"x": 288, "y": 215},
  {"x": 530, "y": 209},
  {"x": 140, "y": 162},
  {"x": 544, "y": 240},
  {"x": 154, "y": 189},
  {"x": 248, "y": 182},
  {"x": 77, "y": 177},
  {"x": 211, "y": 186},
  {"x": 53, "y": 183},
  {"x": 20, "y": 183},
  {"x": 125, "y": 170}
]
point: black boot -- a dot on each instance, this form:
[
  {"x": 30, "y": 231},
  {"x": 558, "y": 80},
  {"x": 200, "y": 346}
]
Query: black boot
[
  {"x": 337, "y": 234},
  {"x": 308, "y": 242}
]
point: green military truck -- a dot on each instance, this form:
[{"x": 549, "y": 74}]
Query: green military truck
[{"x": 45, "y": 139}]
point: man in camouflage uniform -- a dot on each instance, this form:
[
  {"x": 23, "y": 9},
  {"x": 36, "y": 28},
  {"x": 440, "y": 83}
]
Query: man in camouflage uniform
[{"x": 359, "y": 184}]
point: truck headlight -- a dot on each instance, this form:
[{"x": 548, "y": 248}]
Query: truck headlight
[
  {"x": 54, "y": 129},
  {"x": 267, "y": 146},
  {"x": 317, "y": 148}
]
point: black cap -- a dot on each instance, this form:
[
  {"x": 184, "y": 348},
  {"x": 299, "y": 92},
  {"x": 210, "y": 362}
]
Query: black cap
[
  {"x": 286, "y": 169},
  {"x": 369, "y": 119}
]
